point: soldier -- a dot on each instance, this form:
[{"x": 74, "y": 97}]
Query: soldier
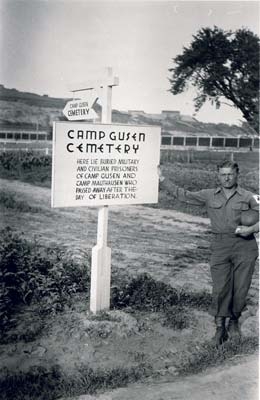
[{"x": 234, "y": 248}]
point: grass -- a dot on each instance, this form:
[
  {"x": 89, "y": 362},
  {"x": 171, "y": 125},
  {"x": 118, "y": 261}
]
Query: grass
[
  {"x": 32, "y": 274},
  {"x": 145, "y": 293},
  {"x": 43, "y": 383},
  {"x": 36, "y": 169},
  {"x": 9, "y": 200},
  {"x": 197, "y": 358},
  {"x": 177, "y": 317}
]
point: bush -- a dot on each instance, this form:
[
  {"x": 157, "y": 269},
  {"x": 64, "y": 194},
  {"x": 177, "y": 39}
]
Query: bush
[
  {"x": 26, "y": 166},
  {"x": 31, "y": 274},
  {"x": 26, "y": 160},
  {"x": 145, "y": 293},
  {"x": 8, "y": 200}
]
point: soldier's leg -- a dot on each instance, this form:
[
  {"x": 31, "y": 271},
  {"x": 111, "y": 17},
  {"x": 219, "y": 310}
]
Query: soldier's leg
[
  {"x": 221, "y": 272},
  {"x": 244, "y": 258}
]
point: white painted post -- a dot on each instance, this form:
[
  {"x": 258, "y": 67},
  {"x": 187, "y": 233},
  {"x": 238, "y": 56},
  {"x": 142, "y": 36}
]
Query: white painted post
[{"x": 101, "y": 253}]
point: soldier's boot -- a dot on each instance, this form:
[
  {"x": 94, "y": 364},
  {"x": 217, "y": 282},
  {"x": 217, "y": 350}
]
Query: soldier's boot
[
  {"x": 233, "y": 327},
  {"x": 221, "y": 334}
]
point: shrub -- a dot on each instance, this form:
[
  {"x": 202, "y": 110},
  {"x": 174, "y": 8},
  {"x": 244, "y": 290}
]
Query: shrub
[
  {"x": 8, "y": 200},
  {"x": 31, "y": 273},
  {"x": 26, "y": 160},
  {"x": 145, "y": 293},
  {"x": 26, "y": 166}
]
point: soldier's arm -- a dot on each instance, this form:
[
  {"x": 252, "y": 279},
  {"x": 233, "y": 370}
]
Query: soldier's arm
[
  {"x": 254, "y": 204},
  {"x": 197, "y": 198},
  {"x": 248, "y": 230}
]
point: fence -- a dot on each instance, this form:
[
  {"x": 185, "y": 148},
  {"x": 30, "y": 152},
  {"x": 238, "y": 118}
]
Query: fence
[
  {"x": 210, "y": 142},
  {"x": 39, "y": 141},
  {"x": 44, "y": 147}
]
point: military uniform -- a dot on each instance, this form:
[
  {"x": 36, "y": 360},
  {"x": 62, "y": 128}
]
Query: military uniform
[{"x": 233, "y": 257}]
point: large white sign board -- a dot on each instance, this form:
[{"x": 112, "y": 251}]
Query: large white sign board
[{"x": 104, "y": 164}]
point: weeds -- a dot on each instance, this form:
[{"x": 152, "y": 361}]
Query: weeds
[
  {"x": 32, "y": 274},
  {"x": 145, "y": 293},
  {"x": 41, "y": 383},
  {"x": 177, "y": 317},
  {"x": 8, "y": 200},
  {"x": 27, "y": 167},
  {"x": 199, "y": 357}
]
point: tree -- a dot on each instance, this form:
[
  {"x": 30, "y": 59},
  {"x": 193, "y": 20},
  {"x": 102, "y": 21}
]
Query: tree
[{"x": 221, "y": 64}]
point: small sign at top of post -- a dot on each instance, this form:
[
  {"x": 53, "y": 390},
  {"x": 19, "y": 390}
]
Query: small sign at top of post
[{"x": 81, "y": 109}]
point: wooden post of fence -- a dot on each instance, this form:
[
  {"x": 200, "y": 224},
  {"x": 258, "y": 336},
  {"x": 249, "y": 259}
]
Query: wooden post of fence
[{"x": 189, "y": 156}]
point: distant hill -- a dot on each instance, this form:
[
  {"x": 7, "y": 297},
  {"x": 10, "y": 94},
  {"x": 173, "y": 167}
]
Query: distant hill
[
  {"x": 32, "y": 111},
  {"x": 31, "y": 98}
]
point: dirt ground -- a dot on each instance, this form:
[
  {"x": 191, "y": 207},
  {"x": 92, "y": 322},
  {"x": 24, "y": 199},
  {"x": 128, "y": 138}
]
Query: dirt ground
[
  {"x": 161, "y": 243},
  {"x": 229, "y": 382}
]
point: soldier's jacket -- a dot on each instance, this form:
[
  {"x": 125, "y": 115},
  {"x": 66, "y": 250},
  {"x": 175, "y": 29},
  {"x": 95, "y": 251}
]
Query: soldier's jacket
[{"x": 224, "y": 213}]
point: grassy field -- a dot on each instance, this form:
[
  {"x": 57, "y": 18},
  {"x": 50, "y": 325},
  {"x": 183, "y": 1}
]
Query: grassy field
[{"x": 199, "y": 174}]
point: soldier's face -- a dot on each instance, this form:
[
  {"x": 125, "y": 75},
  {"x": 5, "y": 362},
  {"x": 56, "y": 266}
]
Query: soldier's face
[{"x": 228, "y": 177}]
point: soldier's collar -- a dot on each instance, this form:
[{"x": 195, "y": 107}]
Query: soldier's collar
[{"x": 239, "y": 190}]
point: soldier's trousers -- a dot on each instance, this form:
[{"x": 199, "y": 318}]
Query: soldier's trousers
[{"x": 232, "y": 265}]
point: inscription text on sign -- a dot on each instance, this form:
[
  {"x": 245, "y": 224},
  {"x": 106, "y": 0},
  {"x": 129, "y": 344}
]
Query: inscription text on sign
[{"x": 104, "y": 164}]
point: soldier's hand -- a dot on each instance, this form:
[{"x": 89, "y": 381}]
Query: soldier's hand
[
  {"x": 161, "y": 177},
  {"x": 244, "y": 230}
]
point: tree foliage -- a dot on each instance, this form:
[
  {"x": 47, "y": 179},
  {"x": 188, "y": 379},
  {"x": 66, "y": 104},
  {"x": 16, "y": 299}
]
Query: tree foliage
[{"x": 221, "y": 64}]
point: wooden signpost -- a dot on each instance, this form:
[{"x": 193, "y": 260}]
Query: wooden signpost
[
  {"x": 100, "y": 165},
  {"x": 101, "y": 253}
]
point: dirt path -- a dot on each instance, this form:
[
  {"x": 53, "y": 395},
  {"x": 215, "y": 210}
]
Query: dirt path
[
  {"x": 171, "y": 246},
  {"x": 161, "y": 235},
  {"x": 229, "y": 382}
]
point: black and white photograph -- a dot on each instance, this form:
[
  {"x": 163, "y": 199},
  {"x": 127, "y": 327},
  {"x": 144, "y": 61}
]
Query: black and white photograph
[{"x": 129, "y": 200}]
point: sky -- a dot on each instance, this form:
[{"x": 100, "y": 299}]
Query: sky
[{"x": 47, "y": 45}]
